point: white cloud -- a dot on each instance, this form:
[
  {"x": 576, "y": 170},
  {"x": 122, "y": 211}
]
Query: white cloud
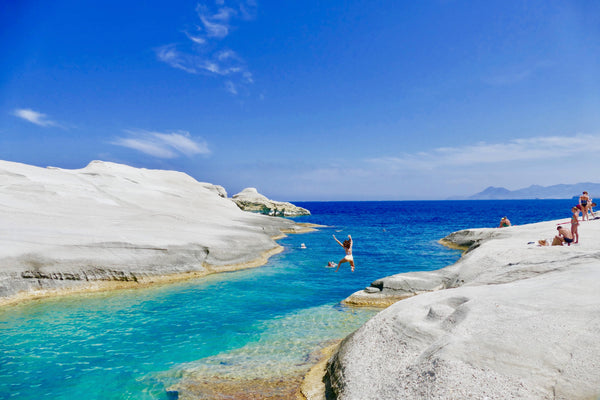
[
  {"x": 230, "y": 86},
  {"x": 171, "y": 56},
  {"x": 214, "y": 29},
  {"x": 529, "y": 149},
  {"x": 248, "y": 77},
  {"x": 183, "y": 143},
  {"x": 225, "y": 55},
  {"x": 211, "y": 67},
  {"x": 146, "y": 146},
  {"x": 516, "y": 75},
  {"x": 204, "y": 53},
  {"x": 224, "y": 63},
  {"x": 216, "y": 24},
  {"x": 34, "y": 117},
  {"x": 248, "y": 9},
  {"x": 163, "y": 145},
  {"x": 196, "y": 39},
  {"x": 437, "y": 173},
  {"x": 222, "y": 14}
]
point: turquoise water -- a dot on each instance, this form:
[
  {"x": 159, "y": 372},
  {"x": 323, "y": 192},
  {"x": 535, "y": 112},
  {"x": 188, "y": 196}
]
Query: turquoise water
[{"x": 134, "y": 344}]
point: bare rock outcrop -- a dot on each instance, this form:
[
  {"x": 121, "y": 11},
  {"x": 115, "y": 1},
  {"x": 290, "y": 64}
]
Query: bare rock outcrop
[
  {"x": 250, "y": 200},
  {"x": 386, "y": 291},
  {"x": 73, "y": 229},
  {"x": 510, "y": 319}
]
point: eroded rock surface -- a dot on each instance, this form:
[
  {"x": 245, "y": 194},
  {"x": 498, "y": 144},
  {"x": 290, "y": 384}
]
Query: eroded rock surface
[
  {"x": 109, "y": 222},
  {"x": 509, "y": 320}
]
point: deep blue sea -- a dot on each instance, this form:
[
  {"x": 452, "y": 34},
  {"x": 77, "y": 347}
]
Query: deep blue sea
[{"x": 133, "y": 344}]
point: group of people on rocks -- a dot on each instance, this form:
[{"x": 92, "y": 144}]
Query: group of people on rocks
[{"x": 585, "y": 207}]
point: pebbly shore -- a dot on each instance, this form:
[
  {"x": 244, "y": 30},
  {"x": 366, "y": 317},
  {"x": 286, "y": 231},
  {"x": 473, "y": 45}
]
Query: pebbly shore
[{"x": 511, "y": 319}]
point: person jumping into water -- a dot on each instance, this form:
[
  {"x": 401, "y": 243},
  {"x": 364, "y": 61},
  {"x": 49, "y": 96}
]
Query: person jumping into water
[{"x": 347, "y": 245}]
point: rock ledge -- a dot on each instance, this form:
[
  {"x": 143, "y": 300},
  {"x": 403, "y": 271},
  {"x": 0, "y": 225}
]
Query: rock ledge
[{"x": 250, "y": 200}]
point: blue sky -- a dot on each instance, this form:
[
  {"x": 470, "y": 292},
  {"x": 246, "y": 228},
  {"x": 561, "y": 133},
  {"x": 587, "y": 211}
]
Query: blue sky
[{"x": 308, "y": 100}]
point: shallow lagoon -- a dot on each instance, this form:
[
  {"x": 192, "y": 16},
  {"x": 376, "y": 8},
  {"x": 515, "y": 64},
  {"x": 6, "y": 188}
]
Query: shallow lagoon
[{"x": 133, "y": 344}]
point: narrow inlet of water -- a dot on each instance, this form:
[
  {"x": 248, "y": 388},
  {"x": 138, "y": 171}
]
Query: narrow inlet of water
[{"x": 259, "y": 323}]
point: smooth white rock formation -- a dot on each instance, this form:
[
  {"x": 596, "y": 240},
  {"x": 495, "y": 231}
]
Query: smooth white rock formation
[
  {"x": 250, "y": 200},
  {"x": 63, "y": 228},
  {"x": 508, "y": 320}
]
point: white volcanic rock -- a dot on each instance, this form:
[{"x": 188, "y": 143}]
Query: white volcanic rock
[
  {"x": 62, "y": 228},
  {"x": 218, "y": 189},
  {"x": 509, "y": 320},
  {"x": 250, "y": 200}
]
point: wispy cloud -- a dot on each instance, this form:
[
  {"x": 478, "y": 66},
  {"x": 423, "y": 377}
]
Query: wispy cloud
[
  {"x": 170, "y": 55},
  {"x": 163, "y": 145},
  {"x": 536, "y": 148},
  {"x": 230, "y": 86},
  {"x": 215, "y": 24},
  {"x": 35, "y": 117},
  {"x": 516, "y": 75},
  {"x": 457, "y": 170},
  {"x": 223, "y": 64},
  {"x": 196, "y": 39},
  {"x": 204, "y": 53}
]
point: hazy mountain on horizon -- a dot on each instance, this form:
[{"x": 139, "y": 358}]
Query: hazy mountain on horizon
[{"x": 561, "y": 191}]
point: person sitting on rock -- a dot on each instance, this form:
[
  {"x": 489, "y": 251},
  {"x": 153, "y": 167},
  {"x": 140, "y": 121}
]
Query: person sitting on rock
[
  {"x": 504, "y": 222},
  {"x": 564, "y": 236}
]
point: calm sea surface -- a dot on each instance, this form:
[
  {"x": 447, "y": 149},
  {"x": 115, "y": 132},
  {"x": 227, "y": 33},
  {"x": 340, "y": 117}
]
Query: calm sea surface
[{"x": 254, "y": 323}]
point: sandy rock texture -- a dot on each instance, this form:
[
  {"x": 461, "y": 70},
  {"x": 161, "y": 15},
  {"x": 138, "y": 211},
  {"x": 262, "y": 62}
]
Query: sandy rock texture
[
  {"x": 250, "y": 200},
  {"x": 65, "y": 229},
  {"x": 509, "y": 320}
]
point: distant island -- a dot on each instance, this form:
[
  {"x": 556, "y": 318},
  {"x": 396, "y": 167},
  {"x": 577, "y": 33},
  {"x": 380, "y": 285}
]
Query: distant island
[{"x": 562, "y": 191}]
